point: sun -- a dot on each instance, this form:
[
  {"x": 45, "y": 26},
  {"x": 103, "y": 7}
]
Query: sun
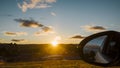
[
  {"x": 54, "y": 43},
  {"x": 56, "y": 40}
]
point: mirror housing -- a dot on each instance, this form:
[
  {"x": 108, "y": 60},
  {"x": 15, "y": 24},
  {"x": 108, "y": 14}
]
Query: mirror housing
[{"x": 102, "y": 49}]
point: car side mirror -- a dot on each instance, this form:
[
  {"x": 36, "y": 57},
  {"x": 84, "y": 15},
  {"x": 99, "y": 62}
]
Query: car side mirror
[{"x": 101, "y": 49}]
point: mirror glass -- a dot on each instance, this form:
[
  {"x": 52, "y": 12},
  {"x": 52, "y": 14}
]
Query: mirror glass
[{"x": 93, "y": 50}]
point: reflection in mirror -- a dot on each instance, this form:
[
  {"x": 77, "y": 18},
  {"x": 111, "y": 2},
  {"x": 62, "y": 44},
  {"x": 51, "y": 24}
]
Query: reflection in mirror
[{"x": 92, "y": 50}]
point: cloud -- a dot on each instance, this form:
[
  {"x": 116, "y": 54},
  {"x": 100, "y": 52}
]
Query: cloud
[
  {"x": 6, "y": 15},
  {"x": 38, "y": 33},
  {"x": 93, "y": 28},
  {"x": 97, "y": 28},
  {"x": 14, "y": 33},
  {"x": 50, "y": 1},
  {"x": 43, "y": 6},
  {"x": 30, "y": 4},
  {"x": 47, "y": 29},
  {"x": 53, "y": 13},
  {"x": 18, "y": 40},
  {"x": 44, "y": 31},
  {"x": 1, "y": 39},
  {"x": 77, "y": 37},
  {"x": 35, "y": 24},
  {"x": 28, "y": 23}
]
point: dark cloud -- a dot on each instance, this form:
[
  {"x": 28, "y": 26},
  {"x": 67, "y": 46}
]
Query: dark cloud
[
  {"x": 10, "y": 33},
  {"x": 6, "y": 15},
  {"x": 78, "y": 37},
  {"x": 47, "y": 29},
  {"x": 28, "y": 23},
  {"x": 90, "y": 28},
  {"x": 97, "y": 28},
  {"x": 40, "y": 33},
  {"x": 35, "y": 24},
  {"x": 18, "y": 40},
  {"x": 44, "y": 31},
  {"x": 14, "y": 33}
]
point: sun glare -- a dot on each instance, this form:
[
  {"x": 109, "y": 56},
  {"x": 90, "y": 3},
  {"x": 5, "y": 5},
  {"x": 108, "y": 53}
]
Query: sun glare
[
  {"x": 54, "y": 43},
  {"x": 56, "y": 40}
]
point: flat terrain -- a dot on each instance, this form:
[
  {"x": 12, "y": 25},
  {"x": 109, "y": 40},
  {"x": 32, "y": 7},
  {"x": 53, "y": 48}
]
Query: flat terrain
[
  {"x": 41, "y": 56},
  {"x": 51, "y": 64}
]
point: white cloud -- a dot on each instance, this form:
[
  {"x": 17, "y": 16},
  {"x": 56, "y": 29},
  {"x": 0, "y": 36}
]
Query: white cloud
[
  {"x": 53, "y": 13},
  {"x": 43, "y": 6},
  {"x": 30, "y": 4},
  {"x": 50, "y": 1}
]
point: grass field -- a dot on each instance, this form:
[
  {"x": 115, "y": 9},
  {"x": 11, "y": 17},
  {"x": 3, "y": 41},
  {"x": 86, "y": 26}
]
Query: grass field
[{"x": 51, "y": 64}]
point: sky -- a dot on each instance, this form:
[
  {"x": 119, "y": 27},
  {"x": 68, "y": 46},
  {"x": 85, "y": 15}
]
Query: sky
[{"x": 65, "y": 21}]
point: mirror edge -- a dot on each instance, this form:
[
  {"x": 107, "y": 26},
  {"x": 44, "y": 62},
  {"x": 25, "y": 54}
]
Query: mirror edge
[{"x": 87, "y": 39}]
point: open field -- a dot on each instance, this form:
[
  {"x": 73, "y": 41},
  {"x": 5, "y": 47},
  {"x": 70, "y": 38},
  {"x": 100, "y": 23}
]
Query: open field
[
  {"x": 51, "y": 64},
  {"x": 41, "y": 56}
]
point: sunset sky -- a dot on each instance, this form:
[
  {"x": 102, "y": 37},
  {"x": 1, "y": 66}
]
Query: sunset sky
[{"x": 66, "y": 21}]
